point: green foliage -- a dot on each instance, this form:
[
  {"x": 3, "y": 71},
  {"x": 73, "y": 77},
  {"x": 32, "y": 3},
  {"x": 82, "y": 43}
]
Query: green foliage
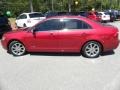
[{"x": 19, "y": 6}]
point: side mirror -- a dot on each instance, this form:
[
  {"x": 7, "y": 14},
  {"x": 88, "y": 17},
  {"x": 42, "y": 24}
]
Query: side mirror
[{"x": 34, "y": 30}]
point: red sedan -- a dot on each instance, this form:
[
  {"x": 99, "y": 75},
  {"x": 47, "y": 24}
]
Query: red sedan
[
  {"x": 94, "y": 16},
  {"x": 63, "y": 34}
]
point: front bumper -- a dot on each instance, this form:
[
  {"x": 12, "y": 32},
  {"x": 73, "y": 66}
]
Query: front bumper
[{"x": 4, "y": 43}]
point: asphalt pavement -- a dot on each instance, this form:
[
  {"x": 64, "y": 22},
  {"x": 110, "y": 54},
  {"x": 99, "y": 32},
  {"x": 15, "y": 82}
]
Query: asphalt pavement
[{"x": 44, "y": 71}]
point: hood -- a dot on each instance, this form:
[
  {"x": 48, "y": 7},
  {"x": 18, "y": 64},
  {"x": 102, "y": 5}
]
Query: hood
[
  {"x": 23, "y": 29},
  {"x": 18, "y": 32}
]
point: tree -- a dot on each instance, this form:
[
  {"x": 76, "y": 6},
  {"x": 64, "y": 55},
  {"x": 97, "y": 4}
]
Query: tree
[{"x": 20, "y": 6}]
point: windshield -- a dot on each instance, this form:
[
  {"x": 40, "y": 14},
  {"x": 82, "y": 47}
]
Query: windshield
[{"x": 35, "y": 15}]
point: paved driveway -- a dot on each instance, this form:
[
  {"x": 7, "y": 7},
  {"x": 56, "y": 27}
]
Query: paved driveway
[{"x": 41, "y": 71}]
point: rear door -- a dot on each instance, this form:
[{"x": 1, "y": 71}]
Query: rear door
[{"x": 73, "y": 35}]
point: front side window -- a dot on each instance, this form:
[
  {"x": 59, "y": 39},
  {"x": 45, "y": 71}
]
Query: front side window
[
  {"x": 75, "y": 24},
  {"x": 53, "y": 24}
]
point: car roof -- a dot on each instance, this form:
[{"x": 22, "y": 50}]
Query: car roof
[
  {"x": 65, "y": 16},
  {"x": 87, "y": 20},
  {"x": 31, "y": 13},
  {"x": 69, "y": 17}
]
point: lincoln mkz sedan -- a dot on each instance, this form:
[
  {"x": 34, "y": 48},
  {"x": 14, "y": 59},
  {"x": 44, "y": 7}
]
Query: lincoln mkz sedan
[{"x": 63, "y": 34}]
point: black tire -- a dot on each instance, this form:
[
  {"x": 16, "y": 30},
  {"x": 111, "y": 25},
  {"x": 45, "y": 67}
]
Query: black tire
[
  {"x": 24, "y": 25},
  {"x": 91, "y": 49},
  {"x": 16, "y": 48}
]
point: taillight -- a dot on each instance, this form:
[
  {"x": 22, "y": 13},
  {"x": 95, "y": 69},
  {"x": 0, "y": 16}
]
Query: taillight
[{"x": 28, "y": 21}]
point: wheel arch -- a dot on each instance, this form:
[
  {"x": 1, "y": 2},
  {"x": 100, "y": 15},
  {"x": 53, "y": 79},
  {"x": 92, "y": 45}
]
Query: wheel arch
[
  {"x": 14, "y": 40},
  {"x": 102, "y": 47},
  {"x": 24, "y": 25}
]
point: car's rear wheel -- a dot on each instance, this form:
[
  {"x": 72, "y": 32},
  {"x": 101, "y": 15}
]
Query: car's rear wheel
[
  {"x": 91, "y": 49},
  {"x": 24, "y": 25},
  {"x": 17, "y": 48}
]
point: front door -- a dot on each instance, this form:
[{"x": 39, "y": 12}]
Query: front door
[{"x": 45, "y": 38}]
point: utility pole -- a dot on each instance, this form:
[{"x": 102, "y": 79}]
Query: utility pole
[
  {"x": 69, "y": 5},
  {"x": 52, "y": 5},
  {"x": 110, "y": 2},
  {"x": 118, "y": 2},
  {"x": 101, "y": 5},
  {"x": 31, "y": 5}
]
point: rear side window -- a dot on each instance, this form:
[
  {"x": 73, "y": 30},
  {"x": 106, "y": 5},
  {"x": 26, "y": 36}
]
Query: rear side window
[
  {"x": 35, "y": 15},
  {"x": 75, "y": 24}
]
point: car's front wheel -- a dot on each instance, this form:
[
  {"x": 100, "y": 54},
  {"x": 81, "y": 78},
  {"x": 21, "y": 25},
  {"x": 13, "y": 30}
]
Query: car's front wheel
[
  {"x": 92, "y": 49},
  {"x": 17, "y": 48}
]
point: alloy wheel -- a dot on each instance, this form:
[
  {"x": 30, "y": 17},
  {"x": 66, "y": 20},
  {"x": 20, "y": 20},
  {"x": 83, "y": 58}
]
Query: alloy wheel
[
  {"x": 16, "y": 48},
  {"x": 92, "y": 49}
]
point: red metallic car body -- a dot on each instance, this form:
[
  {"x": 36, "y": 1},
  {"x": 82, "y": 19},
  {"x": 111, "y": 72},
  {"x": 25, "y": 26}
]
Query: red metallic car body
[
  {"x": 64, "y": 40},
  {"x": 94, "y": 16}
]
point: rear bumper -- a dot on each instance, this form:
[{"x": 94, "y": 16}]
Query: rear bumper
[{"x": 111, "y": 45}]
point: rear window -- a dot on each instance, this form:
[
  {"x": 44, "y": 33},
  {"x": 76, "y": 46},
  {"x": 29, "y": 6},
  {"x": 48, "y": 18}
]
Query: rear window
[{"x": 35, "y": 15}]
